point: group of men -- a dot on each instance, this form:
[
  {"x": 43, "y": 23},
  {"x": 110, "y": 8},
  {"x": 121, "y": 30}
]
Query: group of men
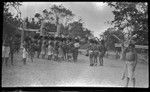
[
  {"x": 60, "y": 48},
  {"x": 56, "y": 48},
  {"x": 96, "y": 50},
  {"x": 9, "y": 48}
]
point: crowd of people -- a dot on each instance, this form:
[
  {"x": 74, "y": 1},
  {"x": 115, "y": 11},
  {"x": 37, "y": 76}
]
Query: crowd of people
[
  {"x": 96, "y": 51},
  {"x": 66, "y": 49},
  {"x": 56, "y": 48}
]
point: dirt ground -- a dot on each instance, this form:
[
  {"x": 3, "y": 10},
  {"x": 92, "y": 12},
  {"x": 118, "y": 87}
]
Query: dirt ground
[{"x": 80, "y": 74}]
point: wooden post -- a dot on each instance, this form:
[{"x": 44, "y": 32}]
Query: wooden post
[
  {"x": 22, "y": 34},
  {"x": 117, "y": 38},
  {"x": 41, "y": 28},
  {"x": 58, "y": 29}
]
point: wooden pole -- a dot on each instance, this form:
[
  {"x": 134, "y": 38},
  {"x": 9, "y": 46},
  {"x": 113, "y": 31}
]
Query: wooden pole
[
  {"x": 22, "y": 32},
  {"x": 41, "y": 28},
  {"x": 117, "y": 37}
]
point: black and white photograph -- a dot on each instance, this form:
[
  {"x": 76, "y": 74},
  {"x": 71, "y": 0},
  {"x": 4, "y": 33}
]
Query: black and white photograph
[{"x": 75, "y": 44}]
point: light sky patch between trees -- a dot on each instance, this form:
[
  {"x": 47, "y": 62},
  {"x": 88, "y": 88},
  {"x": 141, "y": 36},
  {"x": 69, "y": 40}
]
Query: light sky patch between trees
[{"x": 94, "y": 14}]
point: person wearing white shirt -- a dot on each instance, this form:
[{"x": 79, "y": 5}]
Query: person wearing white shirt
[
  {"x": 50, "y": 50},
  {"x": 24, "y": 55},
  {"x": 5, "y": 53}
]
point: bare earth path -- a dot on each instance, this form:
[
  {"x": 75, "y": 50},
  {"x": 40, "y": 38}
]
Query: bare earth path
[{"x": 49, "y": 73}]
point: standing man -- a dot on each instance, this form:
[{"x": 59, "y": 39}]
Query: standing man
[
  {"x": 50, "y": 50},
  {"x": 32, "y": 49},
  {"x": 56, "y": 46},
  {"x": 131, "y": 62},
  {"x": 39, "y": 44},
  {"x": 102, "y": 51},
  {"x": 64, "y": 48},
  {"x": 70, "y": 47},
  {"x": 24, "y": 55},
  {"x": 43, "y": 48},
  {"x": 75, "y": 51},
  {"x": 60, "y": 50},
  {"x": 5, "y": 52},
  {"x": 12, "y": 50},
  {"x": 96, "y": 52},
  {"x": 90, "y": 52}
]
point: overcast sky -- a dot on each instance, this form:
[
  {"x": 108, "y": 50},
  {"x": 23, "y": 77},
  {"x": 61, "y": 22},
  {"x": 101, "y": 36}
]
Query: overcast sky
[{"x": 94, "y": 14}]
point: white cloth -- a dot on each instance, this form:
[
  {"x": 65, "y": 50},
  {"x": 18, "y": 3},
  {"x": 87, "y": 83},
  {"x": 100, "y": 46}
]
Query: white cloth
[
  {"x": 49, "y": 53},
  {"x": 76, "y": 44},
  {"x": 43, "y": 49},
  {"x": 130, "y": 73},
  {"x": 42, "y": 52},
  {"x": 49, "y": 50},
  {"x": 24, "y": 53},
  {"x": 90, "y": 51},
  {"x": 5, "y": 51}
]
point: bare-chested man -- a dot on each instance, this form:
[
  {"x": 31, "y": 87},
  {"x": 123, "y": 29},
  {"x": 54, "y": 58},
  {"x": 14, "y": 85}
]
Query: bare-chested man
[{"x": 131, "y": 62}]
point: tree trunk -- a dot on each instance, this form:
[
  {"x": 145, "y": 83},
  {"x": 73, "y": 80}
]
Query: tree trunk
[
  {"x": 41, "y": 28},
  {"x": 58, "y": 31},
  {"x": 22, "y": 34}
]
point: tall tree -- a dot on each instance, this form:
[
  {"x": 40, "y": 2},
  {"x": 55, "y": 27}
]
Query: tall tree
[
  {"x": 10, "y": 22},
  {"x": 133, "y": 17},
  {"x": 77, "y": 30},
  {"x": 56, "y": 13},
  {"x": 110, "y": 39},
  {"x": 11, "y": 34}
]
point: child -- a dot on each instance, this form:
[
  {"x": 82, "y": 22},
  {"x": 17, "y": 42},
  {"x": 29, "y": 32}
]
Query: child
[
  {"x": 43, "y": 49},
  {"x": 60, "y": 50},
  {"x": 50, "y": 50},
  {"x": 6, "y": 52},
  {"x": 131, "y": 61},
  {"x": 56, "y": 46},
  {"x": 24, "y": 55}
]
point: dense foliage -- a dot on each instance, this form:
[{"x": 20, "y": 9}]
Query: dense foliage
[
  {"x": 11, "y": 35},
  {"x": 133, "y": 17},
  {"x": 59, "y": 15}
]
